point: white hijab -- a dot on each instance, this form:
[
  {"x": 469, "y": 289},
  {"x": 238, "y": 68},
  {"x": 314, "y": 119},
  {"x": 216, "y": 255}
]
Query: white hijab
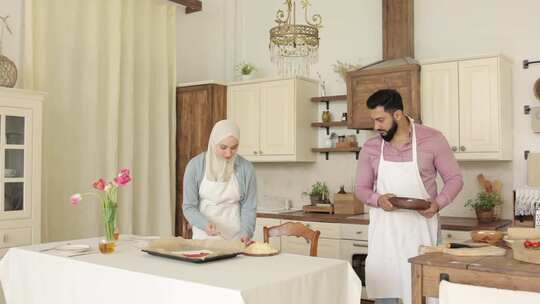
[{"x": 217, "y": 168}]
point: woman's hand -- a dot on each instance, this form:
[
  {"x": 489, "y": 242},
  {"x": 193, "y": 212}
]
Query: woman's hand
[
  {"x": 211, "y": 230},
  {"x": 246, "y": 240}
]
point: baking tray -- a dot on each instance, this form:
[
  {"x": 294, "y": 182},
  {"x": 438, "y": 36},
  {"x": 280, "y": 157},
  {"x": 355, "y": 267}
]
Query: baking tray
[{"x": 206, "y": 259}]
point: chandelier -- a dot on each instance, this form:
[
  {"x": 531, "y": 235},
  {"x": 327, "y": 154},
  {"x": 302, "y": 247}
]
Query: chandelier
[{"x": 294, "y": 47}]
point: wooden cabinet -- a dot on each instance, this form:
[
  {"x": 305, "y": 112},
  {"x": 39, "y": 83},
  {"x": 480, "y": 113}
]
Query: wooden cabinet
[
  {"x": 20, "y": 168},
  {"x": 274, "y": 118},
  {"x": 469, "y": 101},
  {"x": 198, "y": 108},
  {"x": 402, "y": 75}
]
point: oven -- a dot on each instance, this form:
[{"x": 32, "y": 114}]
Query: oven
[{"x": 355, "y": 251}]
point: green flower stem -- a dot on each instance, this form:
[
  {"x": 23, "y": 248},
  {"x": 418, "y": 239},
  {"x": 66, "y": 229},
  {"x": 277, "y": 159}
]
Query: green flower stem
[{"x": 110, "y": 212}]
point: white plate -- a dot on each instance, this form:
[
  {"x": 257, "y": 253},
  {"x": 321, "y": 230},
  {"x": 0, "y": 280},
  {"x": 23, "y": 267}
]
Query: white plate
[{"x": 73, "y": 247}]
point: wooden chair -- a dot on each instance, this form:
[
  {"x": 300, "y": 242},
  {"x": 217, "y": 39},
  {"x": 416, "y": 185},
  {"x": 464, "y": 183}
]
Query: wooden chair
[{"x": 294, "y": 229}]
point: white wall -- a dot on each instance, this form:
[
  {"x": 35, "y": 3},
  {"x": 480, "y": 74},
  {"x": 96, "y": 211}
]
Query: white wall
[
  {"x": 352, "y": 33},
  {"x": 13, "y": 44}
]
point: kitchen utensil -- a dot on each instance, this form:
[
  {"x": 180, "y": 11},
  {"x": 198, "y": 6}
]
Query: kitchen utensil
[
  {"x": 464, "y": 245},
  {"x": 480, "y": 251},
  {"x": 409, "y": 203},
  {"x": 497, "y": 186},
  {"x": 197, "y": 260},
  {"x": 487, "y": 236},
  {"x": 537, "y": 89}
]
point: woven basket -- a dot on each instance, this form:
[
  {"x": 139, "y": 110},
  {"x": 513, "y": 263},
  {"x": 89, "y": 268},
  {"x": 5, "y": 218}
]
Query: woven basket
[{"x": 8, "y": 72}]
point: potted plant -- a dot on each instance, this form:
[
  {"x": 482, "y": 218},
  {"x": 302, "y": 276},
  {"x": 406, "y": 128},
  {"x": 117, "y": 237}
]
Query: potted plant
[
  {"x": 319, "y": 193},
  {"x": 246, "y": 70},
  {"x": 484, "y": 205}
]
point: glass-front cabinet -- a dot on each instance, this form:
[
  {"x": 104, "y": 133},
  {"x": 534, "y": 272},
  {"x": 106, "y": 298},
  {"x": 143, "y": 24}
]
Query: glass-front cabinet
[{"x": 20, "y": 167}]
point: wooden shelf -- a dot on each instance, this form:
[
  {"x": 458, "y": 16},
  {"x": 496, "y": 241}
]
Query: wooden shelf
[
  {"x": 329, "y": 124},
  {"x": 329, "y": 98},
  {"x": 355, "y": 150}
]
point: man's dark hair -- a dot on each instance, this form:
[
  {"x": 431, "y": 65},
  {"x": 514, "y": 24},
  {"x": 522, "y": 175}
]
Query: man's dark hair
[{"x": 389, "y": 99}]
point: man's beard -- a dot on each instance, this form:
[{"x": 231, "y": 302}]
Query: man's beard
[{"x": 391, "y": 132}]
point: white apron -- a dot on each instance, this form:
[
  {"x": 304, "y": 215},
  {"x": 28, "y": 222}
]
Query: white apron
[
  {"x": 395, "y": 236},
  {"x": 220, "y": 203}
]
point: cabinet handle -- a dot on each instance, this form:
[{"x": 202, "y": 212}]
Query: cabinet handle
[
  {"x": 360, "y": 245},
  {"x": 359, "y": 232},
  {"x": 454, "y": 148},
  {"x": 462, "y": 148},
  {"x": 255, "y": 152},
  {"x": 260, "y": 152},
  {"x": 449, "y": 235}
]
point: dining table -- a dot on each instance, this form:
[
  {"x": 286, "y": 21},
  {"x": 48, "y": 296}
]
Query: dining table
[{"x": 44, "y": 273}]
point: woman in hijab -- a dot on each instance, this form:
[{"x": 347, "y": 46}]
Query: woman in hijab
[{"x": 220, "y": 188}]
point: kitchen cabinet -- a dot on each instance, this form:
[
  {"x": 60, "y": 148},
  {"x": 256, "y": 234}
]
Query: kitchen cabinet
[
  {"x": 274, "y": 117},
  {"x": 470, "y": 102},
  {"x": 20, "y": 167},
  {"x": 259, "y": 234}
]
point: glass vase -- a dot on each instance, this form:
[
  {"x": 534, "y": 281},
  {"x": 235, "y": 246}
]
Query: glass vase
[{"x": 108, "y": 244}]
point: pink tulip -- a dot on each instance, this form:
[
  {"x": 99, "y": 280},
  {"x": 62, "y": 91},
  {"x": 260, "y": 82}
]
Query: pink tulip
[
  {"x": 99, "y": 184},
  {"x": 75, "y": 199},
  {"x": 123, "y": 177}
]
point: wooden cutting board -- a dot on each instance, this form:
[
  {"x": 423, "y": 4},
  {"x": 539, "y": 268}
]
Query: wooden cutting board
[
  {"x": 525, "y": 255},
  {"x": 480, "y": 251}
]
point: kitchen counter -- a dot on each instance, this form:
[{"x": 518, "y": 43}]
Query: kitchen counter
[
  {"x": 489, "y": 271},
  {"x": 447, "y": 222}
]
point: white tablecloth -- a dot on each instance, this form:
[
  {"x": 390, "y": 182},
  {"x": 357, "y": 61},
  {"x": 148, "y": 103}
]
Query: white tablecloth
[{"x": 132, "y": 276}]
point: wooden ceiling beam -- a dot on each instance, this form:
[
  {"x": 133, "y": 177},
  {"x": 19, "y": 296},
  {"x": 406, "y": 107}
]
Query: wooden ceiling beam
[{"x": 192, "y": 6}]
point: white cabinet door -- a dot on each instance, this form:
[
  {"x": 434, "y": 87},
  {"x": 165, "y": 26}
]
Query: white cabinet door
[
  {"x": 243, "y": 107},
  {"x": 328, "y": 248},
  {"x": 259, "y": 235},
  {"x": 277, "y": 118},
  {"x": 16, "y": 158},
  {"x": 440, "y": 100},
  {"x": 479, "y": 106},
  {"x": 295, "y": 245}
]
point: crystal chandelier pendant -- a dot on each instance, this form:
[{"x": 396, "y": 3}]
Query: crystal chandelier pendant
[{"x": 294, "y": 47}]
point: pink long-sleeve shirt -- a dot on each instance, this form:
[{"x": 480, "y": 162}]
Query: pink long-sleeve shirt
[{"x": 434, "y": 156}]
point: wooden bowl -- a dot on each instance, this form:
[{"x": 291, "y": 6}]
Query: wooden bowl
[
  {"x": 409, "y": 203},
  {"x": 487, "y": 236}
]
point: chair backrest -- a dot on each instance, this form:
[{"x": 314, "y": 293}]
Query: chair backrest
[{"x": 294, "y": 229}]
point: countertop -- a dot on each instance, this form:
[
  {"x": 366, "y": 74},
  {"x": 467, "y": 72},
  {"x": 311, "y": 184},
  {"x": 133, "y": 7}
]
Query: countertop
[{"x": 447, "y": 222}]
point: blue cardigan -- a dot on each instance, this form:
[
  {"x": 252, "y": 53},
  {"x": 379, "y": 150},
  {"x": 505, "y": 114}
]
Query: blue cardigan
[{"x": 245, "y": 174}]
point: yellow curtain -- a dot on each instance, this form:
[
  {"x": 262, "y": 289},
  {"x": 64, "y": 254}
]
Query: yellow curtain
[{"x": 109, "y": 69}]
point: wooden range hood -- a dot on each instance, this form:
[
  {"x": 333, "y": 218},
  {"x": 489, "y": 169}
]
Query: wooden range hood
[
  {"x": 192, "y": 6},
  {"x": 398, "y": 70}
]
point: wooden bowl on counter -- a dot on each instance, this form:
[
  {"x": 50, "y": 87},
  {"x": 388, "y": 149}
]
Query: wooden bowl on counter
[
  {"x": 409, "y": 203},
  {"x": 487, "y": 236}
]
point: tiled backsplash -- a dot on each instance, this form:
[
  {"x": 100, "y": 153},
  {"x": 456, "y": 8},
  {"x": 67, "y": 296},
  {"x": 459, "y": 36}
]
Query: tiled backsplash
[{"x": 289, "y": 180}]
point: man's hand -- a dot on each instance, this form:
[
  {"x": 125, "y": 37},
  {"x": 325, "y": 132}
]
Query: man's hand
[
  {"x": 211, "y": 230},
  {"x": 246, "y": 240},
  {"x": 431, "y": 211},
  {"x": 385, "y": 203}
]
